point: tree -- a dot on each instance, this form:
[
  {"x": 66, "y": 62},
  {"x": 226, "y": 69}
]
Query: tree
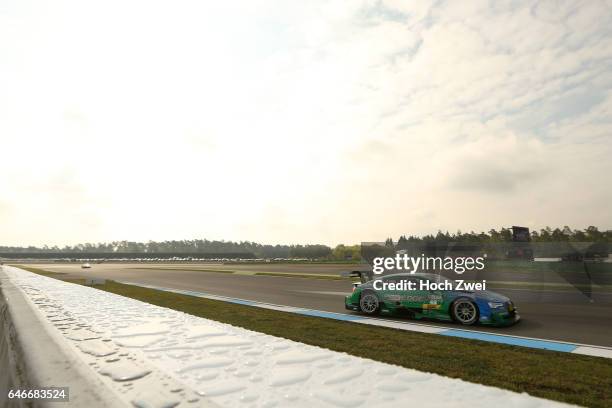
[{"x": 402, "y": 242}]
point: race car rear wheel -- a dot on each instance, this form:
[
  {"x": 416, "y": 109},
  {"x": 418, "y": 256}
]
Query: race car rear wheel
[
  {"x": 369, "y": 303},
  {"x": 465, "y": 311}
]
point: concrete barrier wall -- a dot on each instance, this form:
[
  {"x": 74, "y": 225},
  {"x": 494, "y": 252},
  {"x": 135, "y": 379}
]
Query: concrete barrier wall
[{"x": 32, "y": 358}]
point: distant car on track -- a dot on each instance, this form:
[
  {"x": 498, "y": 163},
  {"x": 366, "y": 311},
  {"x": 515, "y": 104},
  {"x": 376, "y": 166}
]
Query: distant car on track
[
  {"x": 86, "y": 265},
  {"x": 464, "y": 307}
]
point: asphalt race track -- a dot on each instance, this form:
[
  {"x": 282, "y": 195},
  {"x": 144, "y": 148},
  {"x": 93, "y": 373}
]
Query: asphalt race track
[{"x": 564, "y": 315}]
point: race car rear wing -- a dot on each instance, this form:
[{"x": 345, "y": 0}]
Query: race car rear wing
[{"x": 364, "y": 276}]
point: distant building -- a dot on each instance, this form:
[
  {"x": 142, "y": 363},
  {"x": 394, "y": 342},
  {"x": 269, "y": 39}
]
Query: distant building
[
  {"x": 520, "y": 247},
  {"x": 520, "y": 234}
]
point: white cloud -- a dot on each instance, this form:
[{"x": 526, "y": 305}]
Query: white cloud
[{"x": 350, "y": 122}]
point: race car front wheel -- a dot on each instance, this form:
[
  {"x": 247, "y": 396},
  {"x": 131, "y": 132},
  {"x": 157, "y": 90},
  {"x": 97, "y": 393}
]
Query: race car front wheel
[
  {"x": 465, "y": 311},
  {"x": 369, "y": 303}
]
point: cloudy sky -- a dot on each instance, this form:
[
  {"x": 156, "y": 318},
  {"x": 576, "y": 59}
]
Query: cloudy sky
[{"x": 294, "y": 122}]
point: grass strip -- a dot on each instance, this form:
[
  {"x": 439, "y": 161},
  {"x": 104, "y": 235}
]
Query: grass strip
[
  {"x": 565, "y": 377},
  {"x": 40, "y": 271},
  {"x": 300, "y": 275},
  {"x": 252, "y": 273},
  {"x": 187, "y": 269}
]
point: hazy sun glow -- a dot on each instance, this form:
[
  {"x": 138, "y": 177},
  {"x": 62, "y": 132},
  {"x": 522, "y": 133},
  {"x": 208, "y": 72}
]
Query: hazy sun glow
[{"x": 317, "y": 121}]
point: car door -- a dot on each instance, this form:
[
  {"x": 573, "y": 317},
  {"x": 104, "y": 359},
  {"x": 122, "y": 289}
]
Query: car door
[
  {"x": 434, "y": 300},
  {"x": 391, "y": 297},
  {"x": 415, "y": 298}
]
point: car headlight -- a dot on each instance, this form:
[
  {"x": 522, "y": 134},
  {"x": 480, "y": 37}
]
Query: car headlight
[{"x": 495, "y": 305}]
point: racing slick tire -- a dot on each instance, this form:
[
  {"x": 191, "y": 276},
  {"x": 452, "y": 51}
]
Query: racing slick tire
[
  {"x": 369, "y": 303},
  {"x": 464, "y": 311}
]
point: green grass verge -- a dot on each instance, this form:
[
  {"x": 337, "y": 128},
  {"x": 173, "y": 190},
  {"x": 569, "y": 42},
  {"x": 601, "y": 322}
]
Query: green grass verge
[
  {"x": 40, "y": 271},
  {"x": 300, "y": 275},
  {"x": 253, "y": 273},
  {"x": 571, "y": 378},
  {"x": 186, "y": 269},
  {"x": 55, "y": 275}
]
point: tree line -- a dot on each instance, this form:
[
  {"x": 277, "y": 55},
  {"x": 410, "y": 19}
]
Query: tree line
[
  {"x": 313, "y": 251},
  {"x": 195, "y": 246},
  {"x": 565, "y": 234}
]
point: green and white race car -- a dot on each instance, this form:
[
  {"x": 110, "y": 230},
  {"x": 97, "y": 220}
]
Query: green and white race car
[{"x": 464, "y": 307}]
